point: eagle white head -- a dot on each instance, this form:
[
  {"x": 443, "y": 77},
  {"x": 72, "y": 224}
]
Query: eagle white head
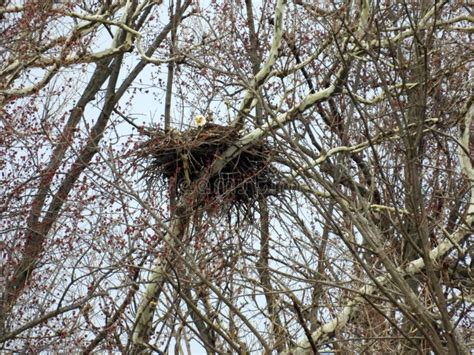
[{"x": 200, "y": 120}]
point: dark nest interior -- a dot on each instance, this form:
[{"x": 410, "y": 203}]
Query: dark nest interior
[{"x": 183, "y": 160}]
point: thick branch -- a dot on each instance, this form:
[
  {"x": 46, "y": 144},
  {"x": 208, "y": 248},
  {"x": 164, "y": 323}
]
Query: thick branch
[{"x": 249, "y": 99}]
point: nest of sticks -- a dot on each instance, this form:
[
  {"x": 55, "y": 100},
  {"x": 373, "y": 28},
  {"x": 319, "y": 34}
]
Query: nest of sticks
[{"x": 183, "y": 160}]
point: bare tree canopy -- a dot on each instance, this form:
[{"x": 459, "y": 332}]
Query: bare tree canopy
[{"x": 236, "y": 177}]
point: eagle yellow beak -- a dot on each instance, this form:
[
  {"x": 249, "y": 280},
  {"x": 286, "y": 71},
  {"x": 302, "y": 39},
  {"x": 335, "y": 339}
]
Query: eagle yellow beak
[{"x": 200, "y": 120}]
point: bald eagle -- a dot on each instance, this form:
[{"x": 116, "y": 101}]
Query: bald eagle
[{"x": 200, "y": 121}]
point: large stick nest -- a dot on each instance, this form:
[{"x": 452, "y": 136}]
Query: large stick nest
[{"x": 183, "y": 161}]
